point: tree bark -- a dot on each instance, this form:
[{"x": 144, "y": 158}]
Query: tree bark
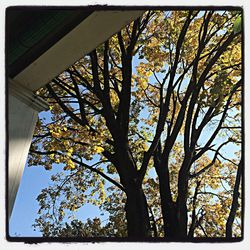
[
  {"x": 136, "y": 208},
  {"x": 181, "y": 210},
  {"x": 235, "y": 204},
  {"x": 138, "y": 222},
  {"x": 181, "y": 202},
  {"x": 168, "y": 207}
]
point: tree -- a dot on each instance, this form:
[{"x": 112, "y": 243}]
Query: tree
[{"x": 163, "y": 94}]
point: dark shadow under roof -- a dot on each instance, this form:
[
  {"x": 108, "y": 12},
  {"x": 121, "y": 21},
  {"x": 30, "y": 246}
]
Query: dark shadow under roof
[{"x": 30, "y": 31}]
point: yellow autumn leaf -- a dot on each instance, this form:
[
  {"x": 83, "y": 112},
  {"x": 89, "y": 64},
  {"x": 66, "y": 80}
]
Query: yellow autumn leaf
[
  {"x": 56, "y": 135},
  {"x": 144, "y": 84},
  {"x": 69, "y": 154},
  {"x": 98, "y": 149}
]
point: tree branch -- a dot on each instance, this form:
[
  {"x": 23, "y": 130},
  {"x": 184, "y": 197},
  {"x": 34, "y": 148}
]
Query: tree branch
[
  {"x": 235, "y": 204},
  {"x": 64, "y": 107},
  {"x": 83, "y": 165}
]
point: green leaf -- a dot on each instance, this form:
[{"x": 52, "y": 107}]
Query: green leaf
[{"x": 237, "y": 25}]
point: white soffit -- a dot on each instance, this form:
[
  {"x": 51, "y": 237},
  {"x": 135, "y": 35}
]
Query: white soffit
[
  {"x": 85, "y": 37},
  {"x": 27, "y": 96}
]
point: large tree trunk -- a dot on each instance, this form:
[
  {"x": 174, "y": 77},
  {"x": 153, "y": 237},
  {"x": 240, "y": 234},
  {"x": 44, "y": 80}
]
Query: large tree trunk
[
  {"x": 182, "y": 218},
  {"x": 174, "y": 213},
  {"x": 138, "y": 222},
  {"x": 181, "y": 203},
  {"x": 136, "y": 208},
  {"x": 168, "y": 208},
  {"x": 174, "y": 216}
]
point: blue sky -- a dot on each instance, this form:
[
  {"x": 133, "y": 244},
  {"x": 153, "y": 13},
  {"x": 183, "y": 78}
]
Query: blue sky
[{"x": 25, "y": 209}]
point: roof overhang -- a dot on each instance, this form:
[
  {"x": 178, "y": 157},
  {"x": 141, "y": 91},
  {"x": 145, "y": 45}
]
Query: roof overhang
[
  {"x": 33, "y": 30},
  {"x": 94, "y": 29}
]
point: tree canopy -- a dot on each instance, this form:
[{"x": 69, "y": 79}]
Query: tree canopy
[{"x": 148, "y": 127}]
